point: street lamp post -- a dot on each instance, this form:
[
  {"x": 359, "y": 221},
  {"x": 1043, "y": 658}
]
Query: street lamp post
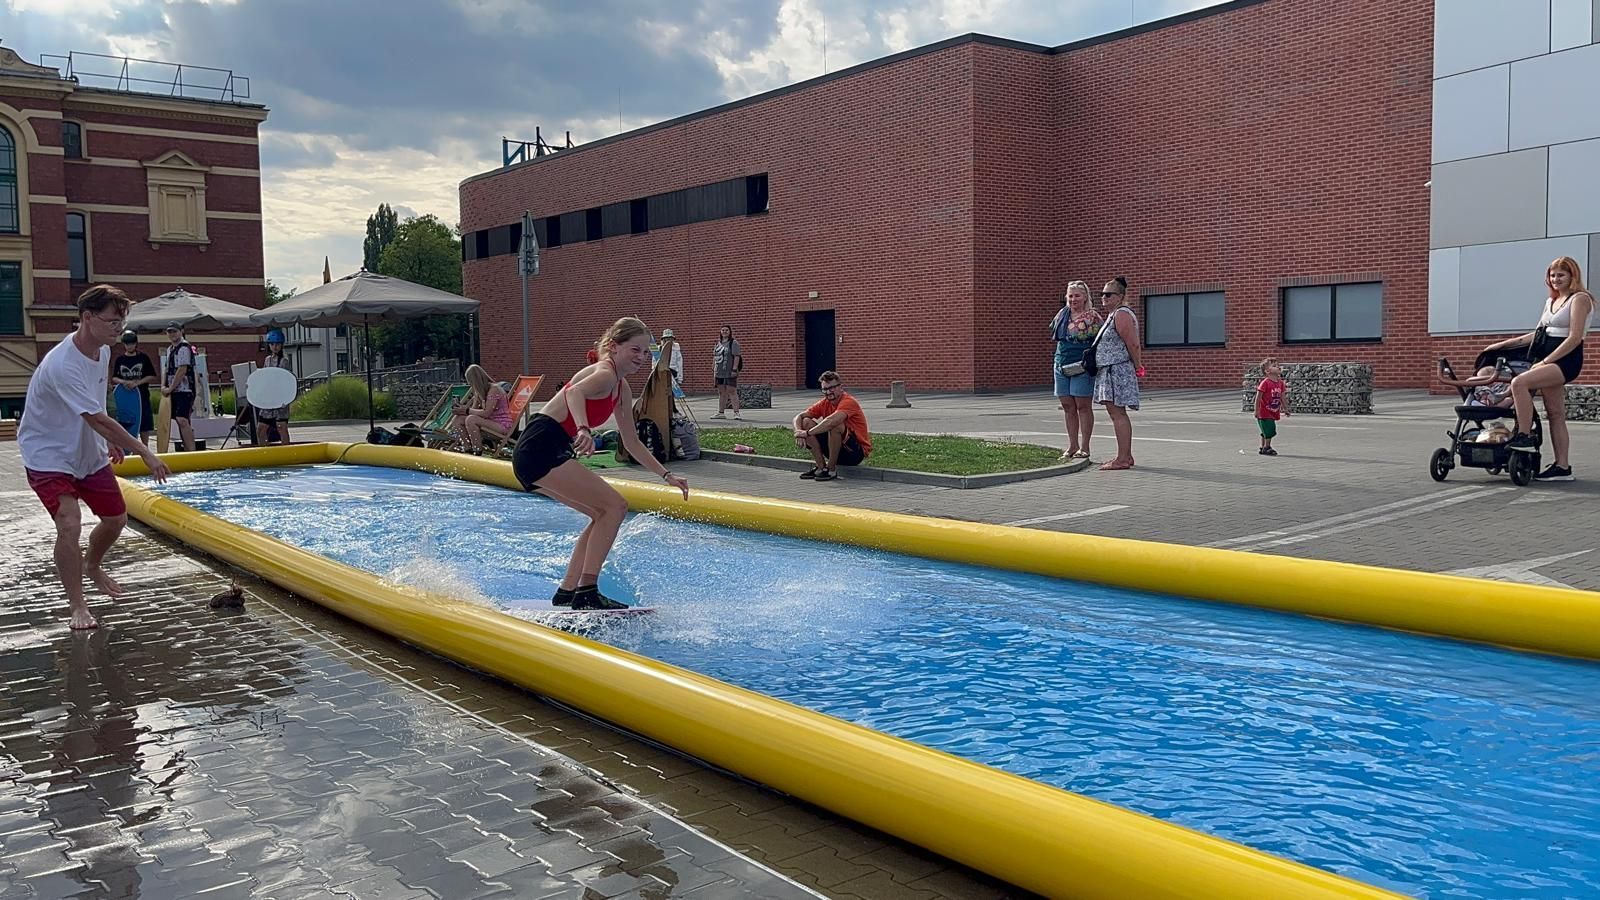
[{"x": 528, "y": 262}]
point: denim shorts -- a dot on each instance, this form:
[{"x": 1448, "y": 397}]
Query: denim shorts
[{"x": 1074, "y": 385}]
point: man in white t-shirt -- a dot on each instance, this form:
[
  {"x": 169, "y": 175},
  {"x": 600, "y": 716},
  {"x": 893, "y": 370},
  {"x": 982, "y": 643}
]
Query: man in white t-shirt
[{"x": 63, "y": 435}]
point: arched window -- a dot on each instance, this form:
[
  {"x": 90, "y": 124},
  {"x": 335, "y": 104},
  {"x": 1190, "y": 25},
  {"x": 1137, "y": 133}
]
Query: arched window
[
  {"x": 10, "y": 221},
  {"x": 72, "y": 140},
  {"x": 77, "y": 247}
]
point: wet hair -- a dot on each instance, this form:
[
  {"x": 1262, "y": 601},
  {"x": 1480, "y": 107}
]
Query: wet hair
[
  {"x": 98, "y": 298},
  {"x": 1573, "y": 269},
  {"x": 828, "y": 376},
  {"x": 622, "y": 331},
  {"x": 478, "y": 378},
  {"x": 1084, "y": 285}
]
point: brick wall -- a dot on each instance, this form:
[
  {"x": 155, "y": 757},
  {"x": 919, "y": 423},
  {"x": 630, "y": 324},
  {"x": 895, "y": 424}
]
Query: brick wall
[
  {"x": 939, "y": 202},
  {"x": 870, "y": 206},
  {"x": 1281, "y": 140}
]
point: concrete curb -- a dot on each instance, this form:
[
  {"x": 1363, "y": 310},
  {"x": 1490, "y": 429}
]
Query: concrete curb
[{"x": 874, "y": 473}]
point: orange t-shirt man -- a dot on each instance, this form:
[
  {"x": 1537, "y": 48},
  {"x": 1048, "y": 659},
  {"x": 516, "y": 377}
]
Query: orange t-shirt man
[{"x": 855, "y": 421}]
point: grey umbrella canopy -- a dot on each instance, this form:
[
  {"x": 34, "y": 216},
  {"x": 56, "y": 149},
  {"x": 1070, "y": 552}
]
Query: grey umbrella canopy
[
  {"x": 357, "y": 300},
  {"x": 353, "y": 299},
  {"x": 195, "y": 312}
]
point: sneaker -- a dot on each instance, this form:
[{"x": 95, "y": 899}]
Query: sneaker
[
  {"x": 1262, "y": 451},
  {"x": 810, "y": 473},
  {"x": 563, "y": 597},
  {"x": 721, "y": 416},
  {"x": 739, "y": 417},
  {"x": 591, "y": 598},
  {"x": 1268, "y": 451},
  {"x": 1523, "y": 442},
  {"x": 826, "y": 475},
  {"x": 1555, "y": 473}
]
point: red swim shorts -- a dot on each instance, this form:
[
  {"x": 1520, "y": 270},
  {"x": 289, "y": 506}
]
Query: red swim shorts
[{"x": 99, "y": 490}]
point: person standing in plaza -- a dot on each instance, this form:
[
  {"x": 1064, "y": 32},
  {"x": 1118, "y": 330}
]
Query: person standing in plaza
[
  {"x": 673, "y": 354},
  {"x": 1555, "y": 357},
  {"x": 64, "y": 436},
  {"x": 1074, "y": 328},
  {"x": 1270, "y": 394},
  {"x": 727, "y": 361},
  {"x": 1118, "y": 369},
  {"x": 178, "y": 384},
  {"x": 834, "y": 429},
  {"x": 135, "y": 369},
  {"x": 276, "y": 419}
]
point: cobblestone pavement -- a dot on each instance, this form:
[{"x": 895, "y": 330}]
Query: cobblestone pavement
[{"x": 279, "y": 751}]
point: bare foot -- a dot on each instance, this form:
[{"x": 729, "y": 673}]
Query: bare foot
[
  {"x": 83, "y": 620},
  {"x": 104, "y": 582}
]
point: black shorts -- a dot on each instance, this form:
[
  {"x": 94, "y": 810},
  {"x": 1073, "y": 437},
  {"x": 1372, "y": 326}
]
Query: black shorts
[
  {"x": 543, "y": 446},
  {"x": 1570, "y": 365},
  {"x": 849, "y": 453},
  {"x": 730, "y": 382},
  {"x": 182, "y": 403}
]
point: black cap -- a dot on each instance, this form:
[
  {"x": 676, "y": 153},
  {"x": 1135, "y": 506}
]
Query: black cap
[{"x": 129, "y": 337}]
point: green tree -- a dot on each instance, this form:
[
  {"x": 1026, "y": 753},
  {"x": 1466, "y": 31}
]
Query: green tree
[
  {"x": 277, "y": 294},
  {"x": 382, "y": 228},
  {"x": 424, "y": 251}
]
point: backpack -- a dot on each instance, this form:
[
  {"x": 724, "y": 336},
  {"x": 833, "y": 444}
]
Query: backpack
[
  {"x": 685, "y": 438},
  {"x": 650, "y": 437}
]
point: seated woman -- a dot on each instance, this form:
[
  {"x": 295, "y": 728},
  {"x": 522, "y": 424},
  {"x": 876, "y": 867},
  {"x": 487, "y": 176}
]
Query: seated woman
[
  {"x": 1489, "y": 387},
  {"x": 487, "y": 410}
]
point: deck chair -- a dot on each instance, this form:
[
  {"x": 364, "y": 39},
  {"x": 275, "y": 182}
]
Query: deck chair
[{"x": 435, "y": 427}]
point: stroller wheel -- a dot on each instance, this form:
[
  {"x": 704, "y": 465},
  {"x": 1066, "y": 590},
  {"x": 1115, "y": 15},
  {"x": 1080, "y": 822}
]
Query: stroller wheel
[
  {"x": 1521, "y": 466},
  {"x": 1440, "y": 465}
]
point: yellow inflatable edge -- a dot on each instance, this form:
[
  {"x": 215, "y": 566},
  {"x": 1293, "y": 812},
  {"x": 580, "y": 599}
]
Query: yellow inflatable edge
[{"x": 1038, "y": 837}]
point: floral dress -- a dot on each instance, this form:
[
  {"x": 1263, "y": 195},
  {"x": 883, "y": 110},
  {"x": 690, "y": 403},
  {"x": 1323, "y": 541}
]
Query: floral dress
[
  {"x": 1114, "y": 380},
  {"x": 1073, "y": 335}
]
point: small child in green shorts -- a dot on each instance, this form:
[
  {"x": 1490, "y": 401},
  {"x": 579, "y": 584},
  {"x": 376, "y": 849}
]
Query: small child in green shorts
[{"x": 1269, "y": 404}]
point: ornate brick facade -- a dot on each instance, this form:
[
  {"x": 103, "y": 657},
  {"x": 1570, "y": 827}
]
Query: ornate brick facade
[{"x": 196, "y": 163}]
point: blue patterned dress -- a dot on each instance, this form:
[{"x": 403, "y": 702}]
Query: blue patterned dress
[{"x": 1114, "y": 380}]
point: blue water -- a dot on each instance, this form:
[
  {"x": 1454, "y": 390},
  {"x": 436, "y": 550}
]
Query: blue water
[{"x": 1427, "y": 766}]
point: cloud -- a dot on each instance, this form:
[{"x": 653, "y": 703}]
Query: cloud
[{"x": 397, "y": 101}]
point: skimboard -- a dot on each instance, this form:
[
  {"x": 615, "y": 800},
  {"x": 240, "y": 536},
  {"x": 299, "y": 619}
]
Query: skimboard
[
  {"x": 546, "y": 609},
  {"x": 126, "y": 401},
  {"x": 164, "y": 425}
]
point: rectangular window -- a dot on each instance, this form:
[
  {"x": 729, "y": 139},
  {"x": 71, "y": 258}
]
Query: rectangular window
[
  {"x": 1333, "y": 312},
  {"x": 341, "y": 361},
  {"x": 1173, "y": 320},
  {"x": 10, "y": 221},
  {"x": 639, "y": 215},
  {"x": 72, "y": 140},
  {"x": 77, "y": 247},
  {"x": 574, "y": 227},
  {"x": 500, "y": 241},
  {"x": 668, "y": 210},
  {"x": 755, "y": 192},
  {"x": 593, "y": 226},
  {"x": 552, "y": 231},
  {"x": 10, "y": 298}
]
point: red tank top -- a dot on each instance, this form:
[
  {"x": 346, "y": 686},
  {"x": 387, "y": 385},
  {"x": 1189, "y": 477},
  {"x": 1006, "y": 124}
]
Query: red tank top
[{"x": 599, "y": 410}]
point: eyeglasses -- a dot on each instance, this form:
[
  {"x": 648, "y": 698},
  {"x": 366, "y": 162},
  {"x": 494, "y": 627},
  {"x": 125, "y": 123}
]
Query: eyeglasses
[
  {"x": 1105, "y": 294},
  {"x": 118, "y": 322}
]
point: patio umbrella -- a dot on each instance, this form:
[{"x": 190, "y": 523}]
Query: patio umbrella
[
  {"x": 358, "y": 299},
  {"x": 191, "y": 311}
]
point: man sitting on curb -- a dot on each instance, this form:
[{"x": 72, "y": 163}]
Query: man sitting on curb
[{"x": 834, "y": 429}]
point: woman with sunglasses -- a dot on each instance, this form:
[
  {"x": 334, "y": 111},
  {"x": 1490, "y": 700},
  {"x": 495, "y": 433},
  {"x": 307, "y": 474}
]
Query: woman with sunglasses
[{"x": 1118, "y": 369}]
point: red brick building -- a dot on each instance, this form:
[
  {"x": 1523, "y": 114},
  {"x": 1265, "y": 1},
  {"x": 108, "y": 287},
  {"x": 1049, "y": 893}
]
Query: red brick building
[
  {"x": 1256, "y": 170},
  {"x": 145, "y": 191}
]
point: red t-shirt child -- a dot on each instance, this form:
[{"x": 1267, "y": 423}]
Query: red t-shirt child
[{"x": 1269, "y": 398}]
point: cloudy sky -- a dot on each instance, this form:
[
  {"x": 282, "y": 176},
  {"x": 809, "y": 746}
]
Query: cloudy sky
[{"x": 396, "y": 101}]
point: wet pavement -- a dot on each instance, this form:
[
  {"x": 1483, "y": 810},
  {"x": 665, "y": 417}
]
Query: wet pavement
[{"x": 280, "y": 751}]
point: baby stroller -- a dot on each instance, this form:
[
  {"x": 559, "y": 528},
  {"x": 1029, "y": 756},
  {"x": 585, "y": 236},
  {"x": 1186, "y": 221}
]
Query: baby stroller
[{"x": 1466, "y": 450}]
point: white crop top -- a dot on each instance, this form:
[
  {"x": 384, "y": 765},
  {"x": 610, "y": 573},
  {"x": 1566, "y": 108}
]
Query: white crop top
[{"x": 1558, "y": 323}]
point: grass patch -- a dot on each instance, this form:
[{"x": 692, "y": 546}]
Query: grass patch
[
  {"x": 940, "y": 454},
  {"x": 341, "y": 398}
]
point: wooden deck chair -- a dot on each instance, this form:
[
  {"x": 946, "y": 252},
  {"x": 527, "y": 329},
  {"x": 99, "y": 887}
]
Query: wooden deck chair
[{"x": 435, "y": 428}]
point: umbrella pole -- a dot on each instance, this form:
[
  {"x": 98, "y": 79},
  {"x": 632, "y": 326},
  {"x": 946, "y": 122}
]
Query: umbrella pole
[{"x": 366, "y": 351}]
